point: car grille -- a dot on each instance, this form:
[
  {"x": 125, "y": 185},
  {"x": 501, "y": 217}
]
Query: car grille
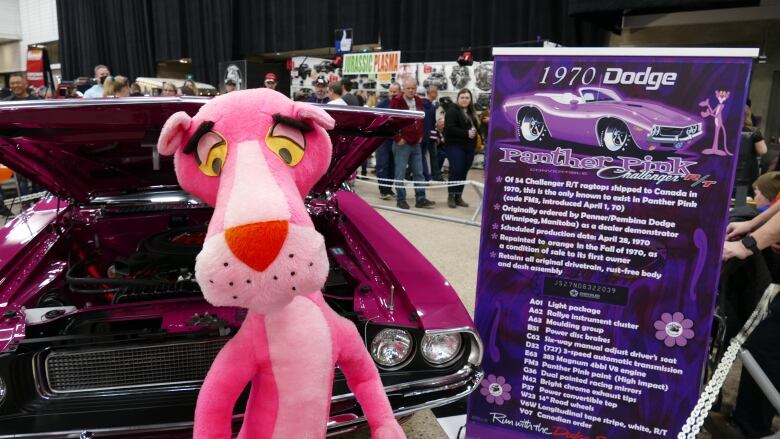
[
  {"x": 164, "y": 364},
  {"x": 671, "y": 132},
  {"x": 677, "y": 133}
]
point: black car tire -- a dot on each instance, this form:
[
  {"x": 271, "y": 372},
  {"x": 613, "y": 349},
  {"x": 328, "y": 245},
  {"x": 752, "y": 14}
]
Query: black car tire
[
  {"x": 530, "y": 125},
  {"x": 615, "y": 136}
]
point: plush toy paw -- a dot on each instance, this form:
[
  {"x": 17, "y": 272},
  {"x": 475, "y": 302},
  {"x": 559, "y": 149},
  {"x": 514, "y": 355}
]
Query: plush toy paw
[{"x": 389, "y": 431}]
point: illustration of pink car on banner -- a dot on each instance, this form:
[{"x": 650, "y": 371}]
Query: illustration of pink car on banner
[{"x": 600, "y": 117}]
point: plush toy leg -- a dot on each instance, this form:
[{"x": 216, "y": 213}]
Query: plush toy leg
[
  {"x": 363, "y": 379},
  {"x": 232, "y": 369}
]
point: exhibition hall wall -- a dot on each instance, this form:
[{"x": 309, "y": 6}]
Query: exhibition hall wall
[{"x": 434, "y": 30}]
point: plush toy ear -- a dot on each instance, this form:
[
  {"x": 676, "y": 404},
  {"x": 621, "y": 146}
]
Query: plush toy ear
[
  {"x": 315, "y": 114},
  {"x": 174, "y": 133}
]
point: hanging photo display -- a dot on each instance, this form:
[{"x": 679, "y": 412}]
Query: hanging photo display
[
  {"x": 374, "y": 74},
  {"x": 434, "y": 74},
  {"x": 305, "y": 70},
  {"x": 609, "y": 174}
]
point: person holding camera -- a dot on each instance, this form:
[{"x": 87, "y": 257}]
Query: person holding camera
[
  {"x": 96, "y": 91},
  {"x": 460, "y": 132}
]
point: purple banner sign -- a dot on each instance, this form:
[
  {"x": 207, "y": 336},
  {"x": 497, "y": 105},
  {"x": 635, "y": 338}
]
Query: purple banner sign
[{"x": 607, "y": 188}]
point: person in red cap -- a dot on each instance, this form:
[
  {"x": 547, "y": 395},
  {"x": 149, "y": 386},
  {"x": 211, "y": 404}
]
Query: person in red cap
[{"x": 270, "y": 80}]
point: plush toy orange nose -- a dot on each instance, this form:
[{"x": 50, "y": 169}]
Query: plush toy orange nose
[{"x": 257, "y": 244}]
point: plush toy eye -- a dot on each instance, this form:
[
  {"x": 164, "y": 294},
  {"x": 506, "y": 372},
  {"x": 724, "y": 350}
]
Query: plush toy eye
[
  {"x": 286, "y": 142},
  {"x": 211, "y": 153}
]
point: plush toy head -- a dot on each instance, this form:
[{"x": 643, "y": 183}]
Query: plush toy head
[{"x": 254, "y": 155}]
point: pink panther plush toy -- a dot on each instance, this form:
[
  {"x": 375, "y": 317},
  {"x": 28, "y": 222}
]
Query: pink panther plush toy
[{"x": 254, "y": 155}]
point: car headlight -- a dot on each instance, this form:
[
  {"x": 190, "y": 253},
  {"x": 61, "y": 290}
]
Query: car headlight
[
  {"x": 441, "y": 348},
  {"x": 655, "y": 131},
  {"x": 391, "y": 347},
  {"x": 693, "y": 129}
]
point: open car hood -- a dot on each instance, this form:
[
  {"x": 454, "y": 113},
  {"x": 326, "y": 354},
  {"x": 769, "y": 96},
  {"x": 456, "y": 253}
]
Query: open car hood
[{"x": 81, "y": 149}]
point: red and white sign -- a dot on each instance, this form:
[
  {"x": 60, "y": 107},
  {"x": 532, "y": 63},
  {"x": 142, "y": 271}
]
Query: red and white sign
[{"x": 35, "y": 67}]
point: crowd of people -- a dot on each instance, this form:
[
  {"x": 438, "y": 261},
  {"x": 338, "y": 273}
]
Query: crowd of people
[
  {"x": 103, "y": 85},
  {"x": 753, "y": 236},
  {"x": 451, "y": 131}
]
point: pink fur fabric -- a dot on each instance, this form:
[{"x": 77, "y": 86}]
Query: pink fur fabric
[{"x": 253, "y": 155}]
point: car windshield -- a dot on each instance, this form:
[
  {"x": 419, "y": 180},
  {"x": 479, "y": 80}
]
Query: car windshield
[{"x": 598, "y": 95}]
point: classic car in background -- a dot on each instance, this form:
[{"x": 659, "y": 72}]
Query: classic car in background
[
  {"x": 103, "y": 328},
  {"x": 599, "y": 116}
]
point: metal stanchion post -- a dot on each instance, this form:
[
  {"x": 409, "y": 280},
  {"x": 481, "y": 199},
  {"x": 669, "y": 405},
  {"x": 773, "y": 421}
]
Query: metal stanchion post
[
  {"x": 479, "y": 205},
  {"x": 763, "y": 382}
]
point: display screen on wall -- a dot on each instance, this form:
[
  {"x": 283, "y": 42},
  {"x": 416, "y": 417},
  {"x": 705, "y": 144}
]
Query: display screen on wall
[{"x": 608, "y": 182}]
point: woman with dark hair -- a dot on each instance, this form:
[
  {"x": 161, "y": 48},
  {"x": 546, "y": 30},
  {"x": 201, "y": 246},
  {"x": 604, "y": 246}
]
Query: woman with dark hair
[
  {"x": 460, "y": 135},
  {"x": 192, "y": 86},
  {"x": 751, "y": 147},
  {"x": 187, "y": 91},
  {"x": 135, "y": 90}
]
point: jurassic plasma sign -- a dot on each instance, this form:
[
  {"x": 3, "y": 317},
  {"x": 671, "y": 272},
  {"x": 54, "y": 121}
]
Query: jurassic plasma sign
[{"x": 609, "y": 173}]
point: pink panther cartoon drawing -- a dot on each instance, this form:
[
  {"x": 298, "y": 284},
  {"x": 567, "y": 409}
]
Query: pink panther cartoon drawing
[
  {"x": 254, "y": 155},
  {"x": 717, "y": 114}
]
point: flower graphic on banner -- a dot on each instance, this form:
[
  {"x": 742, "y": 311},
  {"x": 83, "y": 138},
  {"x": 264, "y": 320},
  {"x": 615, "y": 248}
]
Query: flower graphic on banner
[
  {"x": 495, "y": 389},
  {"x": 674, "y": 329}
]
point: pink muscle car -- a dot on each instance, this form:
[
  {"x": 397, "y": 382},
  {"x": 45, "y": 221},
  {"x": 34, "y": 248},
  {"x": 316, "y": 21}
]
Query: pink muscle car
[{"x": 103, "y": 329}]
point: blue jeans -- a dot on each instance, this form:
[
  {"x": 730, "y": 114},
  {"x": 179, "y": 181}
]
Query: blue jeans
[
  {"x": 437, "y": 159},
  {"x": 385, "y": 167},
  {"x": 424, "y": 158},
  {"x": 441, "y": 154},
  {"x": 461, "y": 157},
  {"x": 408, "y": 155},
  {"x": 432, "y": 160}
]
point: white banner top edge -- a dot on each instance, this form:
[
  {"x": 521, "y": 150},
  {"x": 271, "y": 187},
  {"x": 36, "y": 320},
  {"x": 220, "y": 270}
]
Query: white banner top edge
[{"x": 709, "y": 52}]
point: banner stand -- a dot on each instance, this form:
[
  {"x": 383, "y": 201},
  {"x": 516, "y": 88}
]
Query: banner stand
[{"x": 608, "y": 178}]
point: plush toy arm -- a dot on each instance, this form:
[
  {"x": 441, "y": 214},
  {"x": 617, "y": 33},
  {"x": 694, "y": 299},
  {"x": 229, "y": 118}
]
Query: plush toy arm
[
  {"x": 363, "y": 379},
  {"x": 232, "y": 369}
]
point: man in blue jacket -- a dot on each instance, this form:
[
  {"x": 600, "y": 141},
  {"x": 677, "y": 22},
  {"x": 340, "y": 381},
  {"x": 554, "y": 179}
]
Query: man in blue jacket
[
  {"x": 430, "y": 147},
  {"x": 385, "y": 168}
]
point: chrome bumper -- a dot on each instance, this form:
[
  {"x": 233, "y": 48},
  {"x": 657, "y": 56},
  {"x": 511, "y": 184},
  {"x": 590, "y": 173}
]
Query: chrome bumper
[
  {"x": 440, "y": 390},
  {"x": 682, "y": 136}
]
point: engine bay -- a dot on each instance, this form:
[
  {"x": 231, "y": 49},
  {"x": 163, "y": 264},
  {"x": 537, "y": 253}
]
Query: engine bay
[
  {"x": 161, "y": 267},
  {"x": 114, "y": 271}
]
